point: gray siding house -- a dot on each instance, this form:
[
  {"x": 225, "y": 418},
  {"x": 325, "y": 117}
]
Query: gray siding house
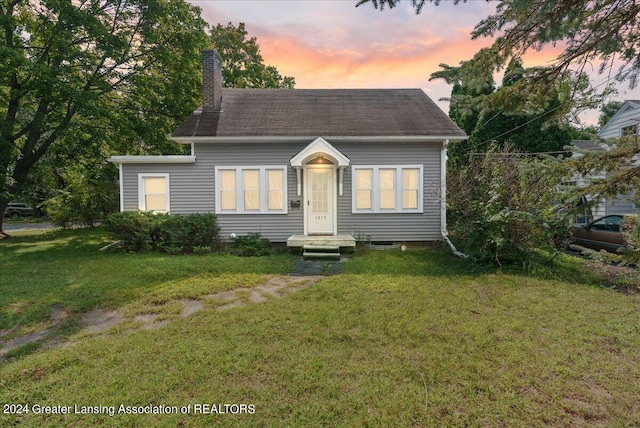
[{"x": 303, "y": 163}]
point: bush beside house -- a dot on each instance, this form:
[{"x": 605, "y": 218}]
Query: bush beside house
[{"x": 140, "y": 231}]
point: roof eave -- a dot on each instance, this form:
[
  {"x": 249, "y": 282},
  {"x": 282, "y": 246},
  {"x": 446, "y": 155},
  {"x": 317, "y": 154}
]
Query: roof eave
[
  {"x": 296, "y": 139},
  {"x": 152, "y": 159}
]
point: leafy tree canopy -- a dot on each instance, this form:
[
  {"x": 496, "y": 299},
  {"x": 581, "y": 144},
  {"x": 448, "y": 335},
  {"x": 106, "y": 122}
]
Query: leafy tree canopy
[
  {"x": 129, "y": 65},
  {"x": 601, "y": 32},
  {"x": 242, "y": 64},
  {"x": 606, "y": 32},
  {"x": 607, "y": 111}
]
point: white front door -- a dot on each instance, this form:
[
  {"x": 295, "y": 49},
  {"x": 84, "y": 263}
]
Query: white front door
[{"x": 320, "y": 200}]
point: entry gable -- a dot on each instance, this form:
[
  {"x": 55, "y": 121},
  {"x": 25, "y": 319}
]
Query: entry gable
[{"x": 320, "y": 146}]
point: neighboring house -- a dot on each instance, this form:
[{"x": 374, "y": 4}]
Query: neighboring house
[
  {"x": 297, "y": 163},
  {"x": 625, "y": 123}
]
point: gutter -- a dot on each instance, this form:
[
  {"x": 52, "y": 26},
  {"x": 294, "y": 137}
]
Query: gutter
[{"x": 329, "y": 138}]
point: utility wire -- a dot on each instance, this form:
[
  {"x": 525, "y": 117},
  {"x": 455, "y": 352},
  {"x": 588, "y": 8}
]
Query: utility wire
[{"x": 528, "y": 122}]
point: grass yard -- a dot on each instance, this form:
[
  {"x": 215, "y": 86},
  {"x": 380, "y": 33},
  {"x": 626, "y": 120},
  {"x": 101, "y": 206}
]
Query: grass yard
[{"x": 399, "y": 339}]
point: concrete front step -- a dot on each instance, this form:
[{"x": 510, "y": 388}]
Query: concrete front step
[
  {"x": 321, "y": 252},
  {"x": 297, "y": 241},
  {"x": 321, "y": 256},
  {"x": 326, "y": 248}
]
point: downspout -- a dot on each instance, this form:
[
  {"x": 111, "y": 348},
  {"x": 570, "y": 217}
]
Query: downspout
[
  {"x": 443, "y": 201},
  {"x": 121, "y": 185}
]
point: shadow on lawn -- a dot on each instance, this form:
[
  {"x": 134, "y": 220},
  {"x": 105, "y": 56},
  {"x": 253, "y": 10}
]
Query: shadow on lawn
[
  {"x": 65, "y": 271},
  {"x": 440, "y": 262},
  {"x": 55, "y": 243}
]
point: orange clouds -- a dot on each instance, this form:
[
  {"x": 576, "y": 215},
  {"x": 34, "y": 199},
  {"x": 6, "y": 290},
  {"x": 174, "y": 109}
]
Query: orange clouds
[
  {"x": 332, "y": 44},
  {"x": 379, "y": 64}
]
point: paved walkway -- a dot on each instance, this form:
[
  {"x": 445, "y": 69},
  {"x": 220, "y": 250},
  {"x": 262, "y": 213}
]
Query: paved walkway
[{"x": 318, "y": 267}]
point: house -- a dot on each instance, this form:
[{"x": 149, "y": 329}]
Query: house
[
  {"x": 625, "y": 123},
  {"x": 302, "y": 165}
]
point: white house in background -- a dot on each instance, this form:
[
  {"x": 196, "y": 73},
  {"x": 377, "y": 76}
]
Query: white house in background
[{"x": 625, "y": 123}]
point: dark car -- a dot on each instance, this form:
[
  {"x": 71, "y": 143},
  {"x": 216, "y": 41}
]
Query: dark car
[
  {"x": 601, "y": 234},
  {"x": 17, "y": 210}
]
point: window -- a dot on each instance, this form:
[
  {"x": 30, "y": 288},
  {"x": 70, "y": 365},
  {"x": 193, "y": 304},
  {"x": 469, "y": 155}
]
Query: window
[
  {"x": 379, "y": 189},
  {"x": 251, "y": 190},
  {"x": 629, "y": 131},
  {"x": 610, "y": 223},
  {"x": 275, "y": 189},
  {"x": 153, "y": 192},
  {"x": 364, "y": 187},
  {"x": 410, "y": 188},
  {"x": 227, "y": 190},
  {"x": 387, "y": 189},
  {"x": 251, "y": 179}
]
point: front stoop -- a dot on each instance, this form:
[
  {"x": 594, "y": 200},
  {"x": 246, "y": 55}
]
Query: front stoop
[
  {"x": 342, "y": 241},
  {"x": 321, "y": 252}
]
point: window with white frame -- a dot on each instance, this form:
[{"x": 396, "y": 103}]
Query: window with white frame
[
  {"x": 363, "y": 189},
  {"x": 382, "y": 189},
  {"x": 153, "y": 192},
  {"x": 629, "y": 131},
  {"x": 251, "y": 189}
]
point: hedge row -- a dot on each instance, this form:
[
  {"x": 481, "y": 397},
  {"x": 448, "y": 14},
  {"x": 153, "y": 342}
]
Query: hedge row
[{"x": 174, "y": 233}]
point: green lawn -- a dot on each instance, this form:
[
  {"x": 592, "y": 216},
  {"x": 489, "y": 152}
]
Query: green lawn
[{"x": 399, "y": 339}]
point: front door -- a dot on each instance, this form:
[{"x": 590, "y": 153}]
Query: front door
[{"x": 320, "y": 200}]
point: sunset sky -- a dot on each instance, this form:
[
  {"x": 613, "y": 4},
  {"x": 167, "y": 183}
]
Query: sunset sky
[{"x": 333, "y": 44}]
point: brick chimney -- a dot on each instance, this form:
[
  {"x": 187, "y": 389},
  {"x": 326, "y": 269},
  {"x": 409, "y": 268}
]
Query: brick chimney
[{"x": 212, "y": 80}]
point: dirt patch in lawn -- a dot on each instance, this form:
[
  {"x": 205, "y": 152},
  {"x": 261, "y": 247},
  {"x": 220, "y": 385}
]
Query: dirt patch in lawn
[
  {"x": 99, "y": 321},
  {"x": 625, "y": 279},
  {"x": 275, "y": 288}
]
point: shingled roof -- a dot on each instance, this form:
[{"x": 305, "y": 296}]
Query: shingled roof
[{"x": 321, "y": 112}]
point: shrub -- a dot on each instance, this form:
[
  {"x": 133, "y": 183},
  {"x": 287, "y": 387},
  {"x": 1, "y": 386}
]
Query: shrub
[
  {"x": 194, "y": 230},
  {"x": 140, "y": 231},
  {"x": 501, "y": 207},
  {"x": 250, "y": 245},
  {"x": 631, "y": 234}
]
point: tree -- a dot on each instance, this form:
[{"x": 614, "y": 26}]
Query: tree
[
  {"x": 603, "y": 31},
  {"x": 527, "y": 132},
  {"x": 242, "y": 64},
  {"x": 474, "y": 109},
  {"x": 607, "y": 31},
  {"x": 465, "y": 106},
  {"x": 502, "y": 206},
  {"x": 129, "y": 65},
  {"x": 607, "y": 111}
]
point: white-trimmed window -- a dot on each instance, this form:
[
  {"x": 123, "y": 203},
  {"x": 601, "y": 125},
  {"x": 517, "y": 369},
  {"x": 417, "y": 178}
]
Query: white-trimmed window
[
  {"x": 153, "y": 192},
  {"x": 629, "y": 131},
  {"x": 251, "y": 189},
  {"x": 384, "y": 189},
  {"x": 363, "y": 191}
]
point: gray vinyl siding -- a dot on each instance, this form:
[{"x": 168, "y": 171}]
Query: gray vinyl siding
[
  {"x": 621, "y": 205},
  {"x": 630, "y": 116},
  {"x": 192, "y": 189},
  {"x": 397, "y": 226}
]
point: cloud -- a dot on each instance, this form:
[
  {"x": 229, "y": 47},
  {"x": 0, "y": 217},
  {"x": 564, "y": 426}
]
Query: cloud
[
  {"x": 335, "y": 45},
  {"x": 380, "y": 64}
]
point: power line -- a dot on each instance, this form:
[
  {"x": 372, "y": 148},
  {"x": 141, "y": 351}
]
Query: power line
[
  {"x": 513, "y": 129},
  {"x": 526, "y": 123}
]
